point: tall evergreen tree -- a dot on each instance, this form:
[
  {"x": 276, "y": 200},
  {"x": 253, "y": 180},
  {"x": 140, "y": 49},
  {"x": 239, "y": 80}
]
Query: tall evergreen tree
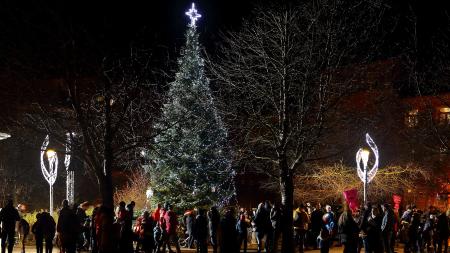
[{"x": 191, "y": 160}]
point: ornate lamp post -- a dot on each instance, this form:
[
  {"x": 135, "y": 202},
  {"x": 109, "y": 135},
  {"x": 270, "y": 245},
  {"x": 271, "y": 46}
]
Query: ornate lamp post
[
  {"x": 51, "y": 173},
  {"x": 4, "y": 136},
  {"x": 363, "y": 155}
]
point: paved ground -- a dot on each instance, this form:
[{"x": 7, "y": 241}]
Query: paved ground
[{"x": 30, "y": 249}]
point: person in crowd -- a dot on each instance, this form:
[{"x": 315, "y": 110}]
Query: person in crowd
[
  {"x": 68, "y": 228},
  {"x": 122, "y": 219},
  {"x": 48, "y": 227},
  {"x": 80, "y": 212},
  {"x": 275, "y": 218},
  {"x": 129, "y": 236},
  {"x": 316, "y": 224},
  {"x": 387, "y": 227},
  {"x": 374, "y": 222},
  {"x": 38, "y": 232},
  {"x": 326, "y": 232},
  {"x": 146, "y": 233},
  {"x": 158, "y": 237},
  {"x": 348, "y": 231},
  {"x": 268, "y": 227},
  {"x": 23, "y": 230},
  {"x": 428, "y": 232},
  {"x": 8, "y": 218},
  {"x": 107, "y": 232},
  {"x": 137, "y": 231},
  {"x": 171, "y": 222},
  {"x": 228, "y": 235},
  {"x": 412, "y": 243},
  {"x": 260, "y": 225},
  {"x": 156, "y": 214},
  {"x": 407, "y": 214},
  {"x": 201, "y": 231},
  {"x": 213, "y": 226},
  {"x": 93, "y": 235},
  {"x": 189, "y": 222},
  {"x": 364, "y": 226},
  {"x": 301, "y": 221},
  {"x": 442, "y": 230},
  {"x": 241, "y": 228}
]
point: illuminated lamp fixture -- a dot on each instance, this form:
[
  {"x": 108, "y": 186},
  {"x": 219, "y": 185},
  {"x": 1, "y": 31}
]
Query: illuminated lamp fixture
[{"x": 362, "y": 156}]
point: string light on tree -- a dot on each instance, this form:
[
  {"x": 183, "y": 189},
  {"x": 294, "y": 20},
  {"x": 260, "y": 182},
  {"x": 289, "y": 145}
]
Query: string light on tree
[
  {"x": 193, "y": 15},
  {"x": 70, "y": 179},
  {"x": 362, "y": 156},
  {"x": 190, "y": 162}
]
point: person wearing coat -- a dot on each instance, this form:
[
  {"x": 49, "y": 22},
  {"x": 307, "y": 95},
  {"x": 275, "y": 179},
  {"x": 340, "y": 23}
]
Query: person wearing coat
[
  {"x": 442, "y": 230},
  {"x": 348, "y": 231},
  {"x": 374, "y": 231},
  {"x": 275, "y": 218},
  {"x": 68, "y": 228},
  {"x": 201, "y": 231},
  {"x": 189, "y": 222},
  {"x": 213, "y": 226},
  {"x": 146, "y": 232},
  {"x": 387, "y": 227},
  {"x": 36, "y": 229},
  {"x": 228, "y": 235},
  {"x": 48, "y": 227},
  {"x": 241, "y": 228},
  {"x": 260, "y": 223}
]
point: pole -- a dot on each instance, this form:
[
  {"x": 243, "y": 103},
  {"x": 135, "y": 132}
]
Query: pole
[
  {"x": 51, "y": 200},
  {"x": 365, "y": 181}
]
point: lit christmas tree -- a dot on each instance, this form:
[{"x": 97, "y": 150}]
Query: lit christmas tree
[{"x": 191, "y": 159}]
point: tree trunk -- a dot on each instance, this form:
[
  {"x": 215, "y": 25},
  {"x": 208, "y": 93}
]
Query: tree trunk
[
  {"x": 106, "y": 191},
  {"x": 287, "y": 200}
]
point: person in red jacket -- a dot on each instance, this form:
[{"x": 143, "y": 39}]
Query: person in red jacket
[
  {"x": 156, "y": 213},
  {"x": 171, "y": 221}
]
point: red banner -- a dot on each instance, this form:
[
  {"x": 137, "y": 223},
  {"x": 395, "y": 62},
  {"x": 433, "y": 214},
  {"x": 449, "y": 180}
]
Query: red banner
[
  {"x": 351, "y": 196},
  {"x": 397, "y": 200}
]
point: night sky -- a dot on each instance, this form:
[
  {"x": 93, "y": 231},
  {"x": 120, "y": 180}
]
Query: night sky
[
  {"x": 36, "y": 29},
  {"x": 35, "y": 34}
]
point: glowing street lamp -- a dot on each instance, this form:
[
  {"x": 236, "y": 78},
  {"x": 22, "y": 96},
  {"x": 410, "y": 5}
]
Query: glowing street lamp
[
  {"x": 51, "y": 173},
  {"x": 4, "y": 136},
  {"x": 363, "y": 155}
]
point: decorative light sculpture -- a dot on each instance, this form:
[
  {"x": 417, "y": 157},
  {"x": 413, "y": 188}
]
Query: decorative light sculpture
[
  {"x": 363, "y": 155},
  {"x": 51, "y": 173},
  {"x": 193, "y": 15},
  {"x": 70, "y": 179},
  {"x": 4, "y": 136}
]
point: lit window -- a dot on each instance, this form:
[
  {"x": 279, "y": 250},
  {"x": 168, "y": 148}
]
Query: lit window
[
  {"x": 411, "y": 119},
  {"x": 444, "y": 116}
]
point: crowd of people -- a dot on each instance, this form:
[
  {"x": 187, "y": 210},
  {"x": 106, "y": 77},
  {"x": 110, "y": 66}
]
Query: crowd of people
[{"x": 372, "y": 228}]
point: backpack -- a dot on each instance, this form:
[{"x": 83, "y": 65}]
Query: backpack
[{"x": 298, "y": 222}]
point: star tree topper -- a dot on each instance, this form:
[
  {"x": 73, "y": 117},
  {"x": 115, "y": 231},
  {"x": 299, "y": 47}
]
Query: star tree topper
[{"x": 193, "y": 15}]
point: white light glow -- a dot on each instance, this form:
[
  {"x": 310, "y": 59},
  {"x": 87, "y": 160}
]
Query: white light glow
[
  {"x": 4, "y": 136},
  {"x": 51, "y": 173},
  {"x": 193, "y": 15},
  {"x": 363, "y": 155},
  {"x": 149, "y": 193}
]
